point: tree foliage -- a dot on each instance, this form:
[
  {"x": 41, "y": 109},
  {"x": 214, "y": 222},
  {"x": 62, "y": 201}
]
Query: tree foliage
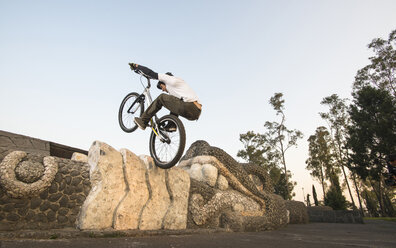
[
  {"x": 372, "y": 133},
  {"x": 320, "y": 158},
  {"x": 335, "y": 199},
  {"x": 381, "y": 72},
  {"x": 268, "y": 149},
  {"x": 280, "y": 138},
  {"x": 338, "y": 121}
]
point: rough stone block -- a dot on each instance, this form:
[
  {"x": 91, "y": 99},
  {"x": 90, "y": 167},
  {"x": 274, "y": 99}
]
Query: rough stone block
[
  {"x": 178, "y": 182},
  {"x": 128, "y": 213},
  {"x": 79, "y": 157},
  {"x": 298, "y": 212},
  {"x": 209, "y": 173},
  {"x": 108, "y": 187},
  {"x": 158, "y": 204}
]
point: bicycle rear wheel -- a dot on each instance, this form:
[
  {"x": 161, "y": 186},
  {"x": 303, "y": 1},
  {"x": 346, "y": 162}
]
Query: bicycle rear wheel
[
  {"x": 167, "y": 147},
  {"x": 132, "y": 106}
]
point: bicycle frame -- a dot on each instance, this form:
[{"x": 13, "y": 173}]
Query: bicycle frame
[{"x": 147, "y": 95}]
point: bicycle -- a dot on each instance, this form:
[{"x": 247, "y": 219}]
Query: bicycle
[{"x": 166, "y": 147}]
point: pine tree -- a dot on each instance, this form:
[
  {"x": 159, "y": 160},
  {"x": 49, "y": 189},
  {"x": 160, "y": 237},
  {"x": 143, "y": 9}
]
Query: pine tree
[{"x": 315, "y": 197}]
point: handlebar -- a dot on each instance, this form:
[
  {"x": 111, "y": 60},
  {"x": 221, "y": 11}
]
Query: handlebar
[{"x": 137, "y": 71}]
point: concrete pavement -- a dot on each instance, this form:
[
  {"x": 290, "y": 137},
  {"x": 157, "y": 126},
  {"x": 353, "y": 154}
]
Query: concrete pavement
[{"x": 375, "y": 233}]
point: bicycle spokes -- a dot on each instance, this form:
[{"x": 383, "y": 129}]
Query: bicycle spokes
[{"x": 167, "y": 141}]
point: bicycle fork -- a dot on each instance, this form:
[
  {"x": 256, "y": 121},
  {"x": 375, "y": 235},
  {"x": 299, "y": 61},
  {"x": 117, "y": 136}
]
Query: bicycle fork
[{"x": 156, "y": 129}]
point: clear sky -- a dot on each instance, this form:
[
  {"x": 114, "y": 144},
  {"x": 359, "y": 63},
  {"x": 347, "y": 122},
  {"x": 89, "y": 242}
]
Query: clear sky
[{"x": 64, "y": 65}]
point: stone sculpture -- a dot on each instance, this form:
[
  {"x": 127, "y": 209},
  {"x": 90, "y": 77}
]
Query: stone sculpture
[
  {"x": 41, "y": 192},
  {"x": 25, "y": 178},
  {"x": 223, "y": 193},
  {"x": 118, "y": 190},
  {"x": 129, "y": 192}
]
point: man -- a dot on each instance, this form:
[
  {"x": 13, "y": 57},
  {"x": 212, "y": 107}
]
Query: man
[{"x": 181, "y": 99}]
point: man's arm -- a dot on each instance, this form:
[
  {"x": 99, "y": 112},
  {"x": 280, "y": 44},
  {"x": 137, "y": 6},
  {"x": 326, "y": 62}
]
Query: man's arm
[{"x": 145, "y": 70}]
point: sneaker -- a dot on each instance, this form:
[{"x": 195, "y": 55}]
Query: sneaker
[
  {"x": 139, "y": 122},
  {"x": 170, "y": 127}
]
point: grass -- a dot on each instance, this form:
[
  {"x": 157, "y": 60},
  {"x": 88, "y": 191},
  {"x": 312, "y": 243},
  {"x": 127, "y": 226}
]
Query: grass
[
  {"x": 381, "y": 218},
  {"x": 53, "y": 236}
]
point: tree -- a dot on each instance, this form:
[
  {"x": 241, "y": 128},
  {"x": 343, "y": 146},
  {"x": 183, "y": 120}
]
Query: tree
[
  {"x": 371, "y": 203},
  {"x": 280, "y": 138},
  {"x": 285, "y": 187},
  {"x": 334, "y": 197},
  {"x": 372, "y": 136},
  {"x": 320, "y": 158},
  {"x": 381, "y": 72},
  {"x": 373, "y": 113},
  {"x": 315, "y": 197},
  {"x": 257, "y": 151},
  {"x": 269, "y": 149},
  {"x": 337, "y": 119}
]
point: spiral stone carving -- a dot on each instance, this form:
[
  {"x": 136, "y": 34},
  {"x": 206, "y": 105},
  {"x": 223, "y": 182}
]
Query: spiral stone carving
[{"x": 25, "y": 178}]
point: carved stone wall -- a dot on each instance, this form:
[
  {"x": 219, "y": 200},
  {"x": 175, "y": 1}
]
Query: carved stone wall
[
  {"x": 224, "y": 192},
  {"x": 129, "y": 192},
  {"x": 328, "y": 215},
  {"x": 110, "y": 189},
  {"x": 297, "y": 212},
  {"x": 38, "y": 192}
]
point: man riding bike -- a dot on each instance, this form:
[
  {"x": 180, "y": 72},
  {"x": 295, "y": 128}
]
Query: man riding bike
[{"x": 181, "y": 99}]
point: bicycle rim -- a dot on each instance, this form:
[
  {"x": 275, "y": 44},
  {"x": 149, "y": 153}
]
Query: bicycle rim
[
  {"x": 167, "y": 154},
  {"x": 129, "y": 109}
]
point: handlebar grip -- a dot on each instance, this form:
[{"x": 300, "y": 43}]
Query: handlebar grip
[{"x": 133, "y": 66}]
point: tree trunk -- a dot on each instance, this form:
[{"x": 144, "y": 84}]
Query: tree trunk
[
  {"x": 286, "y": 177},
  {"x": 349, "y": 188},
  {"x": 283, "y": 157},
  {"x": 340, "y": 157},
  {"x": 388, "y": 204},
  {"x": 358, "y": 194},
  {"x": 379, "y": 196},
  {"x": 323, "y": 187},
  {"x": 383, "y": 210}
]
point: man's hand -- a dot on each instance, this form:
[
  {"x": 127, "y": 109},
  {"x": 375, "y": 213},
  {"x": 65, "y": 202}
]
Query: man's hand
[{"x": 133, "y": 66}]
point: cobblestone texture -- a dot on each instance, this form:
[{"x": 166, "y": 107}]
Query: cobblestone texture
[{"x": 55, "y": 207}]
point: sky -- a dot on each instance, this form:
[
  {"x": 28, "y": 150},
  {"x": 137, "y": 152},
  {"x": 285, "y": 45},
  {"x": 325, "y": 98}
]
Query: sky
[{"x": 64, "y": 65}]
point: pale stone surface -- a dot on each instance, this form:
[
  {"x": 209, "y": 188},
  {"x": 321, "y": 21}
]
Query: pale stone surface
[
  {"x": 108, "y": 187},
  {"x": 130, "y": 192},
  {"x": 148, "y": 161},
  {"x": 79, "y": 157},
  {"x": 128, "y": 212},
  {"x": 19, "y": 189},
  {"x": 179, "y": 186},
  {"x": 222, "y": 169},
  {"x": 158, "y": 204},
  {"x": 209, "y": 173},
  {"x": 222, "y": 182},
  {"x": 195, "y": 172}
]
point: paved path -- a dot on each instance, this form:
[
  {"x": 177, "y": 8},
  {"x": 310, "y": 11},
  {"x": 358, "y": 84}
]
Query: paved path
[{"x": 372, "y": 234}]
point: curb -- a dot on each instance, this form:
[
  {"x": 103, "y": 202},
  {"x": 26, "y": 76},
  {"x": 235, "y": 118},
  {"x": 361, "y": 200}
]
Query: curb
[{"x": 70, "y": 233}]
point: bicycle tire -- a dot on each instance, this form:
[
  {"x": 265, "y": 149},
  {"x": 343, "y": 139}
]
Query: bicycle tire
[
  {"x": 177, "y": 141},
  {"x": 125, "y": 119}
]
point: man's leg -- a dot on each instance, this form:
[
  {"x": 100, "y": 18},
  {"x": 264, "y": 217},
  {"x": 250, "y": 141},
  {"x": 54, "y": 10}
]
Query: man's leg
[{"x": 164, "y": 100}]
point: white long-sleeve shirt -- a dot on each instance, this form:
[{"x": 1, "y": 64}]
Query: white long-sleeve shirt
[{"x": 179, "y": 88}]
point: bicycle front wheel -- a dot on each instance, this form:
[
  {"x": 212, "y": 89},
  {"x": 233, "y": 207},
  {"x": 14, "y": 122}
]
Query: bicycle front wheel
[
  {"x": 167, "y": 146},
  {"x": 130, "y": 108}
]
